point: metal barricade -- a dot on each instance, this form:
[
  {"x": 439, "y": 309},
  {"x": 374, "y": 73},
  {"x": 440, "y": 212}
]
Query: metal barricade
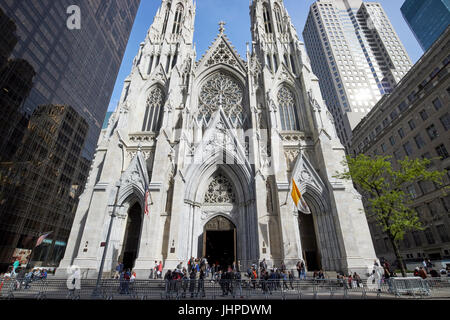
[
  {"x": 414, "y": 286},
  {"x": 195, "y": 289}
]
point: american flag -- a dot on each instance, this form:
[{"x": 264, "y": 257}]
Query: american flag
[
  {"x": 146, "y": 200},
  {"x": 42, "y": 238}
]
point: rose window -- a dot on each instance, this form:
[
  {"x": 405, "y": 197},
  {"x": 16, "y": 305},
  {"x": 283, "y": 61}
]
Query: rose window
[
  {"x": 220, "y": 190},
  {"x": 221, "y": 91}
]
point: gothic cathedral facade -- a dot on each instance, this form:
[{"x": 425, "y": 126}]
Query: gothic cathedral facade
[{"x": 199, "y": 157}]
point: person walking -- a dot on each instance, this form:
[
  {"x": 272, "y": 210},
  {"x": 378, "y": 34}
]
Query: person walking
[
  {"x": 16, "y": 264},
  {"x": 192, "y": 277},
  {"x": 160, "y": 269},
  {"x": 422, "y": 273},
  {"x": 282, "y": 267},
  {"x": 263, "y": 265},
  {"x": 117, "y": 271},
  {"x": 184, "y": 283},
  {"x": 168, "y": 282},
  {"x": 74, "y": 284},
  {"x": 291, "y": 279},
  {"x": 301, "y": 270},
  {"x": 201, "y": 283},
  {"x": 237, "y": 284}
]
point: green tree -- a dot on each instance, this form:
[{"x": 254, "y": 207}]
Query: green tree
[{"x": 383, "y": 187}]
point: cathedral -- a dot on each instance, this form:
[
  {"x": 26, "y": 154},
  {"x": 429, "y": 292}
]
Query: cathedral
[{"x": 200, "y": 157}]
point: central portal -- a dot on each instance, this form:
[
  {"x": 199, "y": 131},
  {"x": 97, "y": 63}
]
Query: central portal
[{"x": 219, "y": 242}]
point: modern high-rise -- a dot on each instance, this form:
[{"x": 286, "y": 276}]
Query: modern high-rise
[
  {"x": 356, "y": 54},
  {"x": 427, "y": 19},
  {"x": 414, "y": 122},
  {"x": 58, "y": 65}
]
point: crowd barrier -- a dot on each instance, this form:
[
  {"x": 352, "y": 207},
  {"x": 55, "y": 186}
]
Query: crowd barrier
[{"x": 112, "y": 289}]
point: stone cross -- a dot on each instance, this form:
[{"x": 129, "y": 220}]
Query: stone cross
[{"x": 222, "y": 26}]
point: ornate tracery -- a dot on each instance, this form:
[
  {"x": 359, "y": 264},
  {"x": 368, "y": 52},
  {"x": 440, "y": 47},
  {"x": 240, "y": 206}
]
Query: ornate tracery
[
  {"x": 153, "y": 110},
  {"x": 222, "y": 91},
  {"x": 177, "y": 21},
  {"x": 287, "y": 108},
  {"x": 220, "y": 190}
]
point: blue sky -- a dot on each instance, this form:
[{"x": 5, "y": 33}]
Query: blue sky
[{"x": 236, "y": 14}]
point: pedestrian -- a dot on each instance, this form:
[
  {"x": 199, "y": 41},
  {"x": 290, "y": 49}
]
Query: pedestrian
[
  {"x": 434, "y": 273},
  {"x": 192, "y": 277},
  {"x": 184, "y": 283},
  {"x": 237, "y": 284},
  {"x": 285, "y": 280},
  {"x": 16, "y": 264},
  {"x": 422, "y": 273},
  {"x": 118, "y": 271},
  {"x": 263, "y": 265},
  {"x": 167, "y": 281},
  {"x": 160, "y": 269},
  {"x": 201, "y": 283},
  {"x": 74, "y": 284},
  {"x": 126, "y": 278},
  {"x": 155, "y": 270},
  {"x": 301, "y": 268},
  {"x": 213, "y": 271},
  {"x": 291, "y": 279},
  {"x": 359, "y": 282},
  {"x": 282, "y": 267}
]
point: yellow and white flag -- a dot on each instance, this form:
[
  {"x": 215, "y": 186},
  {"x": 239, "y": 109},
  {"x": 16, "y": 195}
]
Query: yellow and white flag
[{"x": 300, "y": 203}]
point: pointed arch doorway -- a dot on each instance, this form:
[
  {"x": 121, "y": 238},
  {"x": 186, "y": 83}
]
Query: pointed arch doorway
[
  {"x": 130, "y": 247},
  {"x": 219, "y": 242}
]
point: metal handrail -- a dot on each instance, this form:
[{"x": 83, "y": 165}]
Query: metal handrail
[{"x": 112, "y": 289}]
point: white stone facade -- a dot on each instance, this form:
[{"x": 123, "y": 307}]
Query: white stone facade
[{"x": 220, "y": 137}]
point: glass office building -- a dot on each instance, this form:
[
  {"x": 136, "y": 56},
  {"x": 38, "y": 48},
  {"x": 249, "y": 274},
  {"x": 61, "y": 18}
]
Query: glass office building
[
  {"x": 57, "y": 75},
  {"x": 357, "y": 56},
  {"x": 427, "y": 19}
]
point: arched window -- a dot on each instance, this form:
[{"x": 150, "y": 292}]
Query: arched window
[
  {"x": 267, "y": 21},
  {"x": 223, "y": 91},
  {"x": 288, "y": 110},
  {"x": 278, "y": 17},
  {"x": 220, "y": 190},
  {"x": 166, "y": 18},
  {"x": 153, "y": 110},
  {"x": 177, "y": 21},
  {"x": 150, "y": 64},
  {"x": 293, "y": 64}
]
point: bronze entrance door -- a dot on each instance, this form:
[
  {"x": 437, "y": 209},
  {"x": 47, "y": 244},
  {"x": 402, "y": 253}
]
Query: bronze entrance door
[{"x": 219, "y": 242}]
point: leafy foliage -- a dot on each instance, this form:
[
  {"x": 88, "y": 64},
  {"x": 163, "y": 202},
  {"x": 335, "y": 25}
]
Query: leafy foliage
[{"x": 383, "y": 186}]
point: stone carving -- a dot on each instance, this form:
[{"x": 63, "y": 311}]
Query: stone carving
[
  {"x": 220, "y": 190},
  {"x": 221, "y": 91},
  {"x": 291, "y": 157},
  {"x": 222, "y": 54}
]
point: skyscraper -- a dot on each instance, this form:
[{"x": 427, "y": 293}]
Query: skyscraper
[
  {"x": 427, "y": 19},
  {"x": 58, "y": 65},
  {"x": 357, "y": 56}
]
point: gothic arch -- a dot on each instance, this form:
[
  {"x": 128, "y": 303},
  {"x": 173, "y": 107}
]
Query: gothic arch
[
  {"x": 197, "y": 177},
  {"x": 298, "y": 100}
]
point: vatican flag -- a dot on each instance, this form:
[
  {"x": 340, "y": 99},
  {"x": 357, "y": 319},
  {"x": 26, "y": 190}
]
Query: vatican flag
[{"x": 300, "y": 203}]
